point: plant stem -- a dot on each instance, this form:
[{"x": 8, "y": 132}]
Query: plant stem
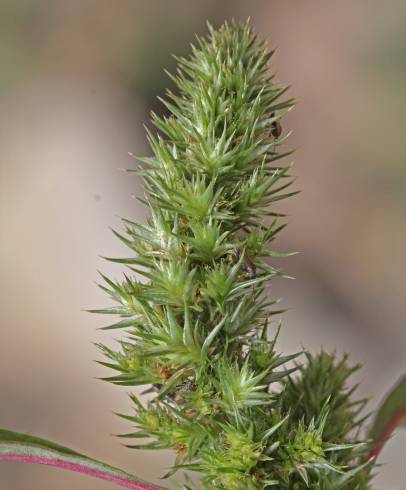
[{"x": 30, "y": 453}]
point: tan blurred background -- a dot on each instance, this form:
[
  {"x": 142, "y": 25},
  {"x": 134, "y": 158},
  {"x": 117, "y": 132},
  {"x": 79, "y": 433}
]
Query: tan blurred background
[{"x": 77, "y": 81}]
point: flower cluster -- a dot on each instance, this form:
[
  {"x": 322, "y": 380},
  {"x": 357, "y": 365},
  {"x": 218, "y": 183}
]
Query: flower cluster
[{"x": 199, "y": 329}]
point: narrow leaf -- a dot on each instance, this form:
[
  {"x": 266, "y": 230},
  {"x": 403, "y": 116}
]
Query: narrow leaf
[
  {"x": 390, "y": 415},
  {"x": 28, "y": 449}
]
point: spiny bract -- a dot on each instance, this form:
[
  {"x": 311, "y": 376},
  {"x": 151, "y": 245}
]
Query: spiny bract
[{"x": 198, "y": 323}]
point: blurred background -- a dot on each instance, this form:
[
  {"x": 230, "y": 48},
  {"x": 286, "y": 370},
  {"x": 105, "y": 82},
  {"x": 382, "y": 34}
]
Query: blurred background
[{"x": 77, "y": 82}]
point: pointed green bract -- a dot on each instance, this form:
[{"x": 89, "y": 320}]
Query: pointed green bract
[{"x": 193, "y": 304}]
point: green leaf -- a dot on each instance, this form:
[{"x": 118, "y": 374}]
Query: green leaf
[
  {"x": 29, "y": 449},
  {"x": 212, "y": 335},
  {"x": 390, "y": 415}
]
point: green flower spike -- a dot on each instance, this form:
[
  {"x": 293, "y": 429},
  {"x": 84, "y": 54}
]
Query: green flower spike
[{"x": 196, "y": 315}]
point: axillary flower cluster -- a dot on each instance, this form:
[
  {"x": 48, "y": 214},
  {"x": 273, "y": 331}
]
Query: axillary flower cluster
[{"x": 200, "y": 335}]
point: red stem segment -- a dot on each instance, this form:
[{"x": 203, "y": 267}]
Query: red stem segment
[
  {"x": 396, "y": 419},
  {"x": 122, "y": 481}
]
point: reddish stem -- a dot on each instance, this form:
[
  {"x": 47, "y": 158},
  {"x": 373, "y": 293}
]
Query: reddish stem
[
  {"x": 77, "y": 467},
  {"x": 396, "y": 419}
]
